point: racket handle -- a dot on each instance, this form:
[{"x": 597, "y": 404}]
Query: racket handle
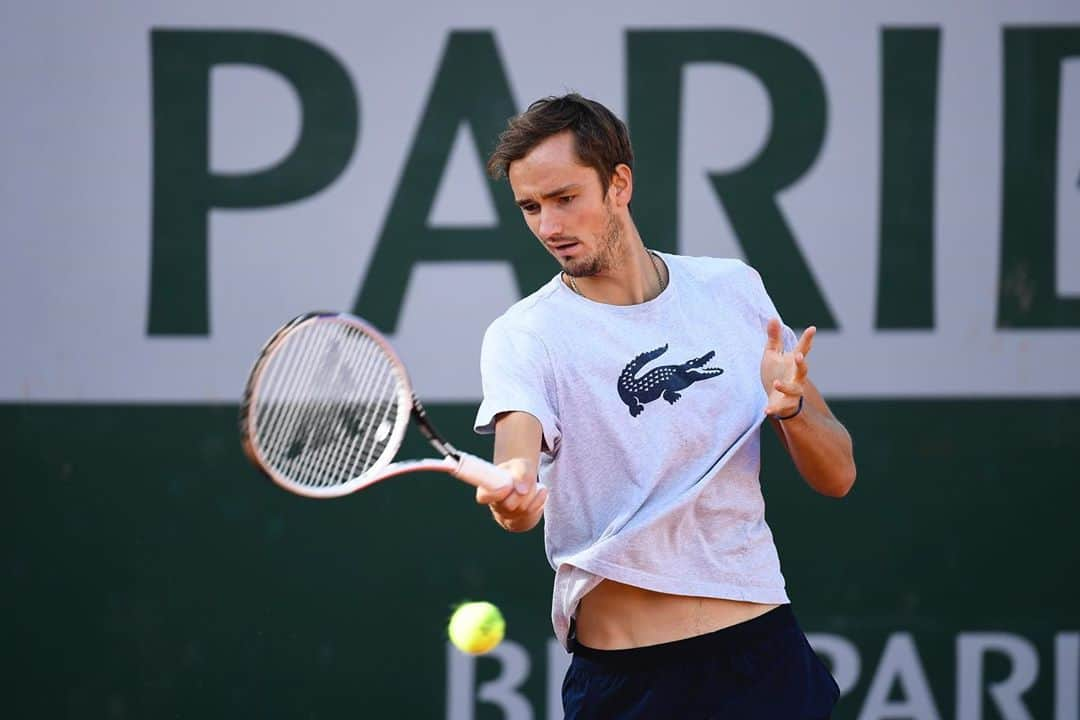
[{"x": 481, "y": 473}]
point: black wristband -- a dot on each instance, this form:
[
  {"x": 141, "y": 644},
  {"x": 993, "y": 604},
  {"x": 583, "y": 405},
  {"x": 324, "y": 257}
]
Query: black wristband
[{"x": 797, "y": 411}]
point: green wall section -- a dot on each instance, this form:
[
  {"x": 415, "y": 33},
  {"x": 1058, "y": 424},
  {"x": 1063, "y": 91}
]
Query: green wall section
[{"x": 150, "y": 572}]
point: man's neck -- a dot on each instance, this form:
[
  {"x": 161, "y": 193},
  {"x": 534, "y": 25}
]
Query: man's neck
[{"x": 636, "y": 277}]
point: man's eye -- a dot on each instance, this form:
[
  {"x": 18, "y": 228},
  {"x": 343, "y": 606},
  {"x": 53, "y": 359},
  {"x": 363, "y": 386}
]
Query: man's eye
[{"x": 566, "y": 199}]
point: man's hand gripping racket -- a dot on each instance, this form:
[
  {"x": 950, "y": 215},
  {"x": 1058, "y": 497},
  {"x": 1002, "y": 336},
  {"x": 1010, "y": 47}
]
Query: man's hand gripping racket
[{"x": 326, "y": 409}]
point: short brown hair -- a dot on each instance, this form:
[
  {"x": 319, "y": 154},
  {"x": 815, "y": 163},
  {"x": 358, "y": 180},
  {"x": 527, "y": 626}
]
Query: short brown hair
[{"x": 601, "y": 140}]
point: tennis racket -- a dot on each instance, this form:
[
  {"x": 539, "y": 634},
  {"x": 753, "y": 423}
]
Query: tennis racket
[{"x": 326, "y": 408}]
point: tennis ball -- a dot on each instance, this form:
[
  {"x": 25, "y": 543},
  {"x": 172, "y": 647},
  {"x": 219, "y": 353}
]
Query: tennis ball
[{"x": 476, "y": 627}]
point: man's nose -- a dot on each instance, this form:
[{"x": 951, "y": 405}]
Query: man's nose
[{"x": 550, "y": 226}]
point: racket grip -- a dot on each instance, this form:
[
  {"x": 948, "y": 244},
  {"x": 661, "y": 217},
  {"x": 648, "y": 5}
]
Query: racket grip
[{"x": 481, "y": 473}]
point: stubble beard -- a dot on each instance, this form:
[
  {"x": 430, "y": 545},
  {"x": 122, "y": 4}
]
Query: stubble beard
[{"x": 606, "y": 256}]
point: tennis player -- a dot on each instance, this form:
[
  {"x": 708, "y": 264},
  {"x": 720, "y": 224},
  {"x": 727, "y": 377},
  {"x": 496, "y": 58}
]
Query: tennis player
[{"x": 634, "y": 385}]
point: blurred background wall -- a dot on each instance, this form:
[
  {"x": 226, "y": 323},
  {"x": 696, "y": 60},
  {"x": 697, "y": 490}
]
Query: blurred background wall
[{"x": 179, "y": 179}]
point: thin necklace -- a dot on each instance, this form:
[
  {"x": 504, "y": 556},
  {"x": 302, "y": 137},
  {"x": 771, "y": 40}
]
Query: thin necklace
[{"x": 652, "y": 256}]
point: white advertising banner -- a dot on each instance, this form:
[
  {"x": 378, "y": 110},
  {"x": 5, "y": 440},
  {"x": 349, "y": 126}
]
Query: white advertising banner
[{"x": 180, "y": 179}]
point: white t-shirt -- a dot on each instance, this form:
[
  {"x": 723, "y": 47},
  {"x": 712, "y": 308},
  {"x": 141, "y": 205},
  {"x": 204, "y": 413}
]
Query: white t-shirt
[{"x": 651, "y": 418}]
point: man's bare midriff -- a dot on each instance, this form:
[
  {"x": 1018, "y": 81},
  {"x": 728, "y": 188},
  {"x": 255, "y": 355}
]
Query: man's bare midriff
[{"x": 615, "y": 616}]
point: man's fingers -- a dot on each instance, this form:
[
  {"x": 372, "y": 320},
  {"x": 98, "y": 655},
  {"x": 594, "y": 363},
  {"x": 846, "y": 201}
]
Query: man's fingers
[
  {"x": 517, "y": 503},
  {"x": 524, "y": 484},
  {"x": 516, "y": 497},
  {"x": 801, "y": 368},
  {"x": 791, "y": 388},
  {"x": 784, "y": 400},
  {"x": 487, "y": 497},
  {"x": 538, "y": 501},
  {"x": 510, "y": 504},
  {"x": 519, "y": 470},
  {"x": 773, "y": 331},
  {"x": 806, "y": 341}
]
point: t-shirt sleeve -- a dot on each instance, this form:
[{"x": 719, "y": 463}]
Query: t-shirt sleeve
[
  {"x": 766, "y": 310},
  {"x": 516, "y": 375}
]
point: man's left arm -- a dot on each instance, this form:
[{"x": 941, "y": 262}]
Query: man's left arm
[{"x": 818, "y": 443}]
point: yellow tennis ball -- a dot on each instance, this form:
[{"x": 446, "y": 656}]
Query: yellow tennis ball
[{"x": 476, "y": 627}]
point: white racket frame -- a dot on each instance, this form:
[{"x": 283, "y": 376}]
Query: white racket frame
[{"x": 462, "y": 465}]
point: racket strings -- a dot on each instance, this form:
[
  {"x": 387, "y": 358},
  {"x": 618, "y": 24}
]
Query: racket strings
[
  {"x": 331, "y": 443},
  {"x": 343, "y": 459},
  {"x": 350, "y": 413},
  {"x": 327, "y": 405}
]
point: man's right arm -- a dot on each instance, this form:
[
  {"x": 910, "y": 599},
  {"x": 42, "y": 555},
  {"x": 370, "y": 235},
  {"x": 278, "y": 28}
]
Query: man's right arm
[{"x": 518, "y": 436}]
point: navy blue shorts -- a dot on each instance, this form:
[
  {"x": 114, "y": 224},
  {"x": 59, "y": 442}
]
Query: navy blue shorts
[{"x": 761, "y": 669}]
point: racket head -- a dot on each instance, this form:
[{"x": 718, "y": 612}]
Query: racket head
[{"x": 326, "y": 406}]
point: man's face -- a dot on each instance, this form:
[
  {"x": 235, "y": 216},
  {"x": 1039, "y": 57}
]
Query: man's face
[{"x": 566, "y": 207}]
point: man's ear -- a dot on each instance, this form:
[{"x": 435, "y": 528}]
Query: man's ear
[{"x": 621, "y": 187}]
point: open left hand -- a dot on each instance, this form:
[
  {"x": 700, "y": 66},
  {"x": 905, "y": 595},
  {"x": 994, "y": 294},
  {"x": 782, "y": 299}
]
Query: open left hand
[{"x": 783, "y": 374}]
